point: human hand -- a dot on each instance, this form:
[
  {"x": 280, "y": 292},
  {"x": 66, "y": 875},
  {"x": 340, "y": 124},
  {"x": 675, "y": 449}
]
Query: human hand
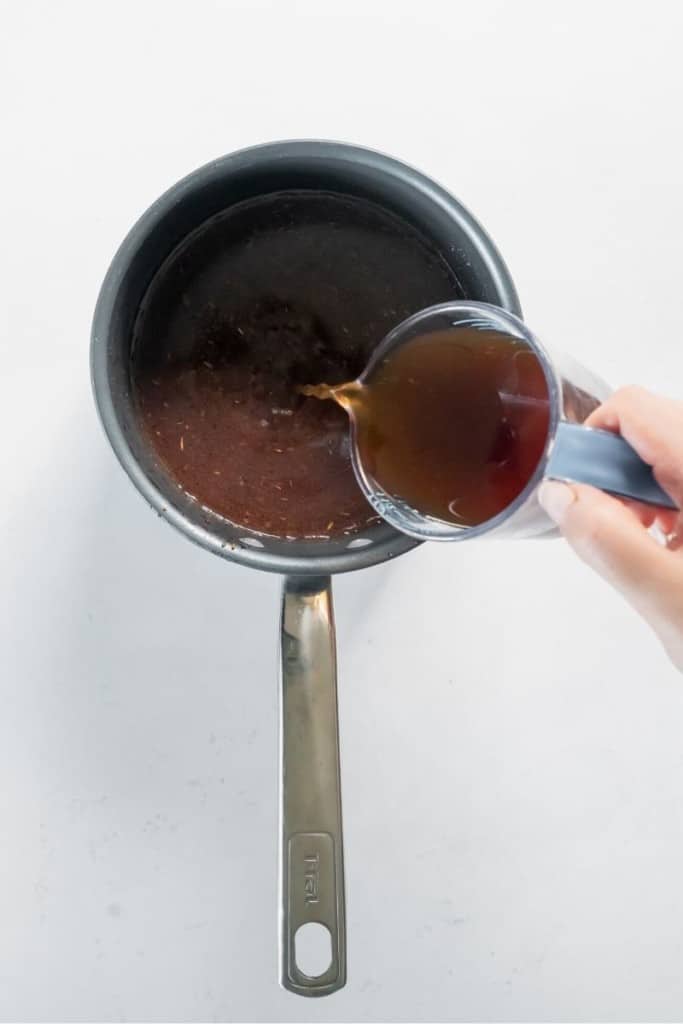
[{"x": 612, "y": 535}]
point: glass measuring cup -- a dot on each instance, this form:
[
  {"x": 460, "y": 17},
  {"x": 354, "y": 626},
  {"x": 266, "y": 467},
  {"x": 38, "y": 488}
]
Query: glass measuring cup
[{"x": 571, "y": 452}]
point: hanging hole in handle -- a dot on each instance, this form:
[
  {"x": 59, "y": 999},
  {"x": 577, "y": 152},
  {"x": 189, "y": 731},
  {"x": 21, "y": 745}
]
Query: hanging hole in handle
[{"x": 313, "y": 949}]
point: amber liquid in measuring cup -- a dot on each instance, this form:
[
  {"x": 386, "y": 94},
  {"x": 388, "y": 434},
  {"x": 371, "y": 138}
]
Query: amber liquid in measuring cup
[{"x": 451, "y": 422}]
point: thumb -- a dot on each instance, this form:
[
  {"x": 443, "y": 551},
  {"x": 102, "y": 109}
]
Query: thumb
[{"x": 608, "y": 536}]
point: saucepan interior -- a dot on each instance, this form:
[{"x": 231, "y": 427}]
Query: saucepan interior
[{"x": 477, "y": 269}]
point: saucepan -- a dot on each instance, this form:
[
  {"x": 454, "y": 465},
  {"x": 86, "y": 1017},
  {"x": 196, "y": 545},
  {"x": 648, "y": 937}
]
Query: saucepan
[{"x": 311, "y": 848}]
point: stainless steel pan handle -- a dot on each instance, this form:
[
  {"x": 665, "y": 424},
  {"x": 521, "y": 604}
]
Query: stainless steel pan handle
[{"x": 312, "y": 862}]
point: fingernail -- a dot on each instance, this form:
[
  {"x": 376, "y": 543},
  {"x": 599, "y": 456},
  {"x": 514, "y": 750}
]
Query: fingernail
[{"x": 555, "y": 498}]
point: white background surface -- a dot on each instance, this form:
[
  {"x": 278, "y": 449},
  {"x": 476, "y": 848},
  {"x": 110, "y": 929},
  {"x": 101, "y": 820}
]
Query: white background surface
[{"x": 512, "y": 735}]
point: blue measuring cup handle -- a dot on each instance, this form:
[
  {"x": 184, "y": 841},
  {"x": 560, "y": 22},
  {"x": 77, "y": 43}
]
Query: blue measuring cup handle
[{"x": 587, "y": 456}]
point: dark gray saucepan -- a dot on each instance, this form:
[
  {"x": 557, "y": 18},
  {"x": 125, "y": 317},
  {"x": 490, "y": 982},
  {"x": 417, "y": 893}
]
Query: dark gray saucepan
[{"x": 312, "y": 872}]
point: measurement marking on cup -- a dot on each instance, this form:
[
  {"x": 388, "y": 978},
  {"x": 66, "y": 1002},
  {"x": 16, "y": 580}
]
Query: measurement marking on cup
[{"x": 311, "y": 878}]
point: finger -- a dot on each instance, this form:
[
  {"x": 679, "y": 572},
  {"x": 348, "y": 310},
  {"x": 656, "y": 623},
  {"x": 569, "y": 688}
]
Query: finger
[
  {"x": 645, "y": 514},
  {"x": 668, "y": 521},
  {"x": 608, "y": 536},
  {"x": 653, "y": 426},
  {"x": 674, "y": 535},
  {"x": 648, "y": 515}
]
